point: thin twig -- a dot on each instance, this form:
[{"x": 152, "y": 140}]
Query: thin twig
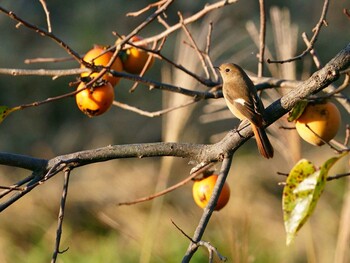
[
  {"x": 37, "y": 179},
  {"x": 164, "y": 86},
  {"x": 313, "y": 52},
  {"x": 49, "y": 100},
  {"x": 255, "y": 36},
  {"x": 157, "y": 53},
  {"x": 169, "y": 189},
  {"x": 341, "y": 98},
  {"x": 207, "y": 52},
  {"x": 43, "y": 32},
  {"x": 61, "y": 217},
  {"x": 182, "y": 232},
  {"x": 154, "y": 113},
  {"x": 283, "y": 174},
  {"x": 147, "y": 21},
  {"x": 206, "y": 9},
  {"x": 211, "y": 249},
  {"x": 46, "y": 60},
  {"x": 337, "y": 176},
  {"x": 145, "y": 67},
  {"x": 200, "y": 79},
  {"x": 342, "y": 87},
  {"x": 325, "y": 142},
  {"x": 316, "y": 30},
  {"x": 43, "y": 72},
  {"x": 286, "y": 128},
  {"x": 163, "y": 22},
  {"x": 47, "y": 13},
  {"x": 137, "y": 13},
  {"x": 347, "y": 134},
  {"x": 194, "y": 44},
  {"x": 262, "y": 36},
  {"x": 12, "y": 188},
  {"x": 16, "y": 185}
]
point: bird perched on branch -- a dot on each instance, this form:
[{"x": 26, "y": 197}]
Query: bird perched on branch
[{"x": 243, "y": 101}]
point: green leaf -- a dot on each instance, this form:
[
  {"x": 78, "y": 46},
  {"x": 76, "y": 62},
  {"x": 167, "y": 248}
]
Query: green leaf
[
  {"x": 301, "y": 193},
  {"x": 298, "y": 109}
]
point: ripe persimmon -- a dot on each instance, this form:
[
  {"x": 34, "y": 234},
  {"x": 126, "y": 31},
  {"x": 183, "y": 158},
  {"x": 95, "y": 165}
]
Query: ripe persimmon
[
  {"x": 135, "y": 59},
  {"x": 202, "y": 190},
  {"x": 94, "y": 57},
  {"x": 95, "y": 100},
  {"x": 324, "y": 119}
]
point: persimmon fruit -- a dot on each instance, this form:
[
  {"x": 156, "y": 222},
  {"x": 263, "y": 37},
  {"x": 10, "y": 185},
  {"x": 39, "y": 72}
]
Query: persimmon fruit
[
  {"x": 94, "y": 57},
  {"x": 135, "y": 59},
  {"x": 202, "y": 190},
  {"x": 324, "y": 119},
  {"x": 95, "y": 101}
]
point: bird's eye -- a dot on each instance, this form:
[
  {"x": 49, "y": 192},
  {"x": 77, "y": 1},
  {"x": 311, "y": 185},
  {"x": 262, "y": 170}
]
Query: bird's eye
[{"x": 227, "y": 70}]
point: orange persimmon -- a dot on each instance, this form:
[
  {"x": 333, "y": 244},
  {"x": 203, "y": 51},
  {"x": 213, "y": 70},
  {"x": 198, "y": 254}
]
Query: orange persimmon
[
  {"x": 95, "y": 100},
  {"x": 324, "y": 119},
  {"x": 94, "y": 57},
  {"x": 202, "y": 190}
]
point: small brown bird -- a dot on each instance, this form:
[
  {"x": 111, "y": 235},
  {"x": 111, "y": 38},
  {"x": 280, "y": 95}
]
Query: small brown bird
[{"x": 243, "y": 101}]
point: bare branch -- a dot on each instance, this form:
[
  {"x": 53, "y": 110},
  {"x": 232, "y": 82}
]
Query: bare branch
[
  {"x": 207, "y": 52},
  {"x": 262, "y": 38},
  {"x": 61, "y": 217},
  {"x": 16, "y": 185},
  {"x": 22, "y": 161},
  {"x": 157, "y": 53},
  {"x": 337, "y": 176},
  {"x": 147, "y": 21},
  {"x": 43, "y": 72},
  {"x": 225, "y": 167},
  {"x": 206, "y": 9},
  {"x": 154, "y": 113},
  {"x": 137, "y": 13},
  {"x": 194, "y": 45},
  {"x": 43, "y": 33},
  {"x": 47, "y": 60},
  {"x": 316, "y": 31},
  {"x": 145, "y": 67},
  {"x": 211, "y": 249},
  {"x": 169, "y": 189},
  {"x": 347, "y": 135},
  {"x": 331, "y": 89},
  {"x": 47, "y": 13}
]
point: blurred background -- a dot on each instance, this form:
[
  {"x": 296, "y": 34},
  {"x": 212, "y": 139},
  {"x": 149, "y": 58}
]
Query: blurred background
[{"x": 249, "y": 229}]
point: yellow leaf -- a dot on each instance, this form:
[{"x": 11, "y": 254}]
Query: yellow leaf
[
  {"x": 301, "y": 193},
  {"x": 5, "y": 111}
]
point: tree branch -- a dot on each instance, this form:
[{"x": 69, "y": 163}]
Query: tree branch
[
  {"x": 199, "y": 152},
  {"x": 316, "y": 30},
  {"x": 208, "y": 210}
]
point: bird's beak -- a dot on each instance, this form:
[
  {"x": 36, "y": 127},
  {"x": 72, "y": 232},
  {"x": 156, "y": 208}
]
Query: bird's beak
[{"x": 217, "y": 68}]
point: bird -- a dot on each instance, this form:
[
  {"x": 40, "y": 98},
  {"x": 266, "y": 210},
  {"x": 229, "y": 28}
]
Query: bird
[{"x": 242, "y": 99}]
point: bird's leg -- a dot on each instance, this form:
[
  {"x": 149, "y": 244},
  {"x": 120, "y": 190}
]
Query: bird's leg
[{"x": 241, "y": 126}]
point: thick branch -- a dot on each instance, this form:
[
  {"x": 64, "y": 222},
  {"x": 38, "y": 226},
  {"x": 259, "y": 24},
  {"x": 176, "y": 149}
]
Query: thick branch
[
  {"x": 22, "y": 161},
  {"x": 184, "y": 150}
]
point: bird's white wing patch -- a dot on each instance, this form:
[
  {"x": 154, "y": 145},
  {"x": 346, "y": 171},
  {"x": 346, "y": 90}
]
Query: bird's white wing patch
[{"x": 240, "y": 101}]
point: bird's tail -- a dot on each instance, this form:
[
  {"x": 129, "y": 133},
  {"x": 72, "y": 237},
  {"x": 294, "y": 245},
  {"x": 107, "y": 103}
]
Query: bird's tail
[{"x": 264, "y": 145}]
